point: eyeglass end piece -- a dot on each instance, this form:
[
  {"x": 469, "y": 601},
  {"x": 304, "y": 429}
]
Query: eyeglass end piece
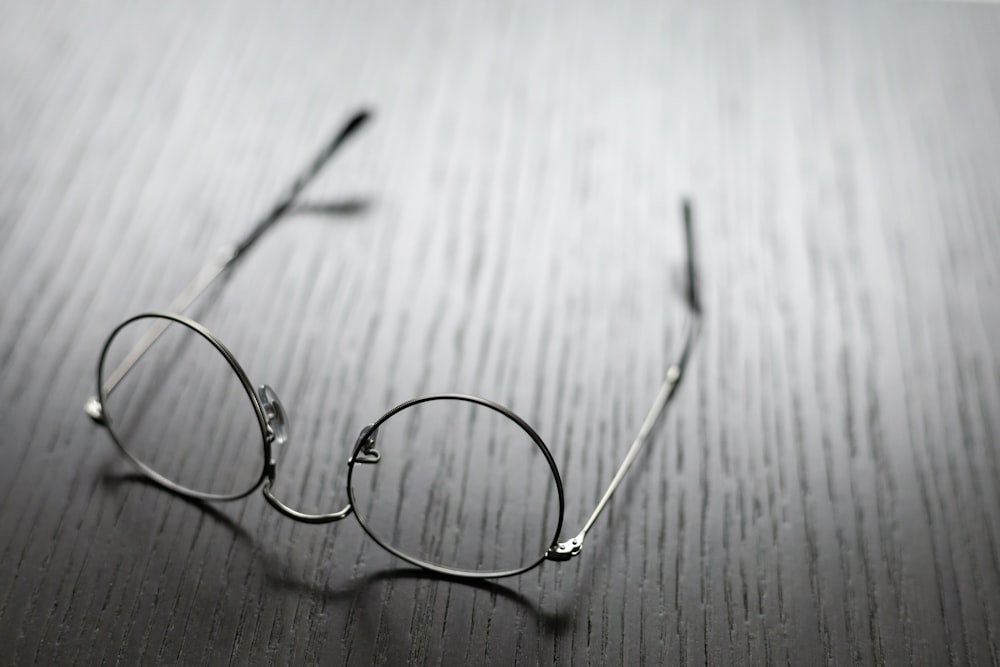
[
  {"x": 566, "y": 550},
  {"x": 94, "y": 410}
]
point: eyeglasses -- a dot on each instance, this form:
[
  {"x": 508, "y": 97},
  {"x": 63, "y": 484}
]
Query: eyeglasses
[{"x": 453, "y": 483}]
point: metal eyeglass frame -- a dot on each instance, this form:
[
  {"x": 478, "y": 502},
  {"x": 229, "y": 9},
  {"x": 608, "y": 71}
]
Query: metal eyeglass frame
[{"x": 273, "y": 421}]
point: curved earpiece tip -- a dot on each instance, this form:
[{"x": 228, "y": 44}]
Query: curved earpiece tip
[
  {"x": 360, "y": 117},
  {"x": 95, "y": 410},
  {"x": 694, "y": 299}
]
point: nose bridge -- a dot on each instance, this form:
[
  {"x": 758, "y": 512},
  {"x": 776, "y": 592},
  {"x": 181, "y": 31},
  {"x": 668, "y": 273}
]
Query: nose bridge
[
  {"x": 278, "y": 424},
  {"x": 303, "y": 516}
]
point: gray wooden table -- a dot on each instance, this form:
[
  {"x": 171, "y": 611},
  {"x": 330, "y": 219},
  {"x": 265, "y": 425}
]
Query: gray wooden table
[{"x": 825, "y": 488}]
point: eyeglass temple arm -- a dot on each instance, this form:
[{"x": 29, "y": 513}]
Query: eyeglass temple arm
[
  {"x": 568, "y": 549},
  {"x": 229, "y": 255}
]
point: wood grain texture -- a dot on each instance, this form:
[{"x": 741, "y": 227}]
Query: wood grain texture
[{"x": 826, "y": 488}]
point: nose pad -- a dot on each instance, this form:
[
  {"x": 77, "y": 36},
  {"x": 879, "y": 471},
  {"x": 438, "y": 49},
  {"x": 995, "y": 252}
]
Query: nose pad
[
  {"x": 274, "y": 414},
  {"x": 368, "y": 453}
]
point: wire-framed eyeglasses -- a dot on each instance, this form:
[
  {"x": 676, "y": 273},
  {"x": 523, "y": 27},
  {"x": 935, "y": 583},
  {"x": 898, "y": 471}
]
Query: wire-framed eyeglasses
[{"x": 186, "y": 414}]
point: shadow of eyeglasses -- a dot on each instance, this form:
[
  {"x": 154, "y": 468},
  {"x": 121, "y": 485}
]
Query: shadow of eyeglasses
[
  {"x": 342, "y": 208},
  {"x": 553, "y": 622}
]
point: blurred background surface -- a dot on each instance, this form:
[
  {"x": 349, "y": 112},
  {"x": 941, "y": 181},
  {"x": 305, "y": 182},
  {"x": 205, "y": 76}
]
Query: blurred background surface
[{"x": 826, "y": 488}]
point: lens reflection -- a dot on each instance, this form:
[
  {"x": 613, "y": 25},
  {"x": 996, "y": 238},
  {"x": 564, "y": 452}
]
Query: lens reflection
[
  {"x": 182, "y": 411},
  {"x": 459, "y": 485}
]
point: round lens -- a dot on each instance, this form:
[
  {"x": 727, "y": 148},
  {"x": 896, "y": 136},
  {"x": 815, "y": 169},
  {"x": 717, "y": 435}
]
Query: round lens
[
  {"x": 458, "y": 484},
  {"x": 180, "y": 409}
]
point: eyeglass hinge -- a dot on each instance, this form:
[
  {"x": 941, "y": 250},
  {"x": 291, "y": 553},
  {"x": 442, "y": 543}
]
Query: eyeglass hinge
[
  {"x": 566, "y": 550},
  {"x": 95, "y": 410}
]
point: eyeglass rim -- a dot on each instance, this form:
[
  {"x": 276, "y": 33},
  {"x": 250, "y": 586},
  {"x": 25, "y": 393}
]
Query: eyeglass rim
[
  {"x": 441, "y": 569},
  {"x": 266, "y": 438},
  {"x": 241, "y": 375}
]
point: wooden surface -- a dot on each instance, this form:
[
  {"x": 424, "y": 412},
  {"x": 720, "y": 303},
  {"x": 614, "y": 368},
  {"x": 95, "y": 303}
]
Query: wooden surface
[{"x": 827, "y": 485}]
